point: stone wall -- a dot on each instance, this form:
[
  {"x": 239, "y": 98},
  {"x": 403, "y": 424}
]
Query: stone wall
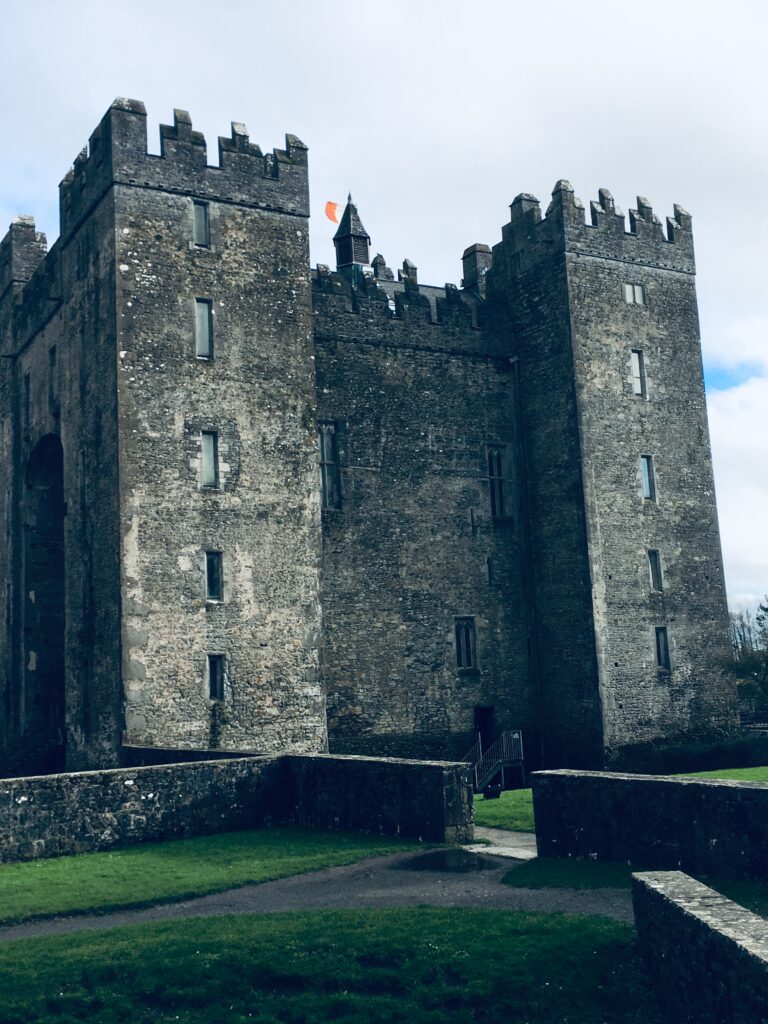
[
  {"x": 48, "y": 816},
  {"x": 708, "y": 957},
  {"x": 416, "y": 400},
  {"x": 704, "y": 826}
]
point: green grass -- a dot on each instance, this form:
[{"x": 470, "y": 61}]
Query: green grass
[
  {"x": 556, "y": 873},
  {"x": 179, "y": 869},
  {"x": 513, "y": 811},
  {"x": 423, "y": 966},
  {"x": 739, "y": 774}
]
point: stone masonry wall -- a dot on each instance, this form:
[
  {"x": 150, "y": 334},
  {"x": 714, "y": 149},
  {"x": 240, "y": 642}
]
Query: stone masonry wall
[
  {"x": 703, "y": 826},
  {"x": 74, "y": 813},
  {"x": 417, "y": 395},
  {"x": 708, "y": 957},
  {"x": 256, "y": 393}
]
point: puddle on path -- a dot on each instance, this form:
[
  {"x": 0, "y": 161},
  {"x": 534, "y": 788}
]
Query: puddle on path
[{"x": 448, "y": 860}]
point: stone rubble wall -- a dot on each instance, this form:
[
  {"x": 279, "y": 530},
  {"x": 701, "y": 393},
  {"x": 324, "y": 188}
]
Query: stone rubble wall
[
  {"x": 703, "y": 826},
  {"x": 708, "y": 956},
  {"x": 77, "y": 812}
]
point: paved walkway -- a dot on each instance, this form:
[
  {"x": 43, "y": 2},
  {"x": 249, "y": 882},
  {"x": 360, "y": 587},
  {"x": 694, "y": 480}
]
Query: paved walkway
[{"x": 402, "y": 880}]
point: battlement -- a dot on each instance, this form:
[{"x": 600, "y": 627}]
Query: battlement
[
  {"x": 605, "y": 236},
  {"x": 117, "y": 154},
  {"x": 21, "y": 252},
  {"x": 377, "y": 293}
]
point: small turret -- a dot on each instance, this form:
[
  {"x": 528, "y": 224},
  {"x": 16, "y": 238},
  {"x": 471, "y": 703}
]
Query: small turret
[{"x": 351, "y": 240}]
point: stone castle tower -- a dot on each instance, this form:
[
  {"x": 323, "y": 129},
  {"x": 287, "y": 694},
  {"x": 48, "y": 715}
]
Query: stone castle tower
[{"x": 250, "y": 506}]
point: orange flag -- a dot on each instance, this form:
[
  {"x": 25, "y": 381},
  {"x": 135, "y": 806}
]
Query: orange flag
[{"x": 332, "y": 212}]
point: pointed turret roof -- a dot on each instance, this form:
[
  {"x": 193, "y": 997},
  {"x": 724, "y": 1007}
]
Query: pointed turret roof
[{"x": 350, "y": 223}]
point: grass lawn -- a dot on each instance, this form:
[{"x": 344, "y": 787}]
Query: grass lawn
[
  {"x": 739, "y": 774},
  {"x": 513, "y": 810},
  {"x": 423, "y": 966},
  {"x": 158, "y": 872}
]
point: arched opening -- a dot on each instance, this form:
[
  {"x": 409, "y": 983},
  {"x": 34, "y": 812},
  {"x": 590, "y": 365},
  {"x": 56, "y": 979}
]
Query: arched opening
[{"x": 43, "y": 699}]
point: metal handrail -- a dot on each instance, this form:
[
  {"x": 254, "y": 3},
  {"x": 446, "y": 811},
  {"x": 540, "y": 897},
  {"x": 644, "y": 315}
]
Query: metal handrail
[{"x": 507, "y": 750}]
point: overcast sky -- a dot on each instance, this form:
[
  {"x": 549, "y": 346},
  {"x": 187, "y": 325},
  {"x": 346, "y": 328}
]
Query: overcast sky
[{"x": 436, "y": 114}]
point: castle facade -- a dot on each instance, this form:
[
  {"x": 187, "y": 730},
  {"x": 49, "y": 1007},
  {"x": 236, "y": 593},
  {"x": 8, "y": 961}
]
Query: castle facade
[{"x": 253, "y": 506}]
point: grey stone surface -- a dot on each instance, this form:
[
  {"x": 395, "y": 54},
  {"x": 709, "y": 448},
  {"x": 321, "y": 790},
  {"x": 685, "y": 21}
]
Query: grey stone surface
[
  {"x": 337, "y": 624},
  {"x": 713, "y": 827},
  {"x": 708, "y": 956},
  {"x": 47, "y": 816}
]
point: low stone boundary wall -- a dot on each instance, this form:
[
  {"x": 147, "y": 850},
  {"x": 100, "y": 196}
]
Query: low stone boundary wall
[
  {"x": 708, "y": 956},
  {"x": 703, "y": 826},
  {"x": 51, "y": 815}
]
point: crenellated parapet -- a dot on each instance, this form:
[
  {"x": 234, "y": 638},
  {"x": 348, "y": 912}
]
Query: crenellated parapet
[
  {"x": 529, "y": 236},
  {"x": 21, "y": 252},
  {"x": 117, "y": 154}
]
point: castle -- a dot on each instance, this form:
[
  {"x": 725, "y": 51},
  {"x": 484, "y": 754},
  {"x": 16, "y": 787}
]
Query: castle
[{"x": 250, "y": 506}]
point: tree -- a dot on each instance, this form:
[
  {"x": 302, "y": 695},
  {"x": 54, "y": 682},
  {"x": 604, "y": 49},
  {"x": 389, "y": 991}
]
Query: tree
[{"x": 749, "y": 640}]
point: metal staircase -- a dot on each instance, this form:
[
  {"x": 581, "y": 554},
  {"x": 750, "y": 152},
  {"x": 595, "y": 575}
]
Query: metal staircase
[{"x": 505, "y": 752}]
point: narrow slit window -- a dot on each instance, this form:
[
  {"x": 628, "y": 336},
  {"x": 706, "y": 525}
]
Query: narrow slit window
[
  {"x": 210, "y": 458},
  {"x": 466, "y": 645},
  {"x": 654, "y": 567},
  {"x": 216, "y": 676},
  {"x": 27, "y": 402},
  {"x": 202, "y": 225},
  {"x": 649, "y": 477},
  {"x": 53, "y": 378},
  {"x": 496, "y": 481},
  {"x": 662, "y": 649},
  {"x": 214, "y": 576},
  {"x": 330, "y": 470},
  {"x": 638, "y": 372},
  {"x": 203, "y": 328},
  {"x": 634, "y": 294}
]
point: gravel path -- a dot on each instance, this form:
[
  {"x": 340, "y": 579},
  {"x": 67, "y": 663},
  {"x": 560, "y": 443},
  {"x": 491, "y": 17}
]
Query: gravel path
[{"x": 392, "y": 881}]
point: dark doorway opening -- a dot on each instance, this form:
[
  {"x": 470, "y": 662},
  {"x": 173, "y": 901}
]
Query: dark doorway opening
[
  {"x": 43, "y": 668},
  {"x": 485, "y": 724}
]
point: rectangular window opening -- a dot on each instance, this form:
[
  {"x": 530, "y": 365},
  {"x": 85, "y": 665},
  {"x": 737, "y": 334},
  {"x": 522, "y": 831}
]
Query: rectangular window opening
[
  {"x": 203, "y": 328},
  {"x": 654, "y": 567},
  {"x": 330, "y": 469},
  {"x": 210, "y": 458},
  {"x": 634, "y": 294},
  {"x": 27, "y": 402},
  {"x": 649, "y": 477},
  {"x": 638, "y": 372},
  {"x": 214, "y": 576},
  {"x": 662, "y": 649},
  {"x": 53, "y": 378},
  {"x": 496, "y": 481},
  {"x": 202, "y": 229},
  {"x": 466, "y": 646},
  {"x": 216, "y": 676}
]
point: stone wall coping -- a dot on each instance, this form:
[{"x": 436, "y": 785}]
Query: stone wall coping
[
  {"x": 694, "y": 899},
  {"x": 680, "y": 780},
  {"x": 120, "y": 772}
]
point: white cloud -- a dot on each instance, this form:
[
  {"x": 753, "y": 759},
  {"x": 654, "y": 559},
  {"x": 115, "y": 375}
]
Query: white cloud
[
  {"x": 738, "y": 419},
  {"x": 744, "y": 342}
]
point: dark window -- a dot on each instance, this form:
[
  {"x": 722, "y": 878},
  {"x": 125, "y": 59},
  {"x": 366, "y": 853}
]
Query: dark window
[
  {"x": 634, "y": 294},
  {"x": 485, "y": 725},
  {"x": 496, "y": 481},
  {"x": 216, "y": 676},
  {"x": 649, "y": 477},
  {"x": 210, "y": 459},
  {"x": 638, "y": 372},
  {"x": 330, "y": 475},
  {"x": 466, "y": 648},
  {"x": 214, "y": 576},
  {"x": 202, "y": 225},
  {"x": 26, "y": 410},
  {"x": 203, "y": 328},
  {"x": 662, "y": 649},
  {"x": 53, "y": 378},
  {"x": 654, "y": 566}
]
